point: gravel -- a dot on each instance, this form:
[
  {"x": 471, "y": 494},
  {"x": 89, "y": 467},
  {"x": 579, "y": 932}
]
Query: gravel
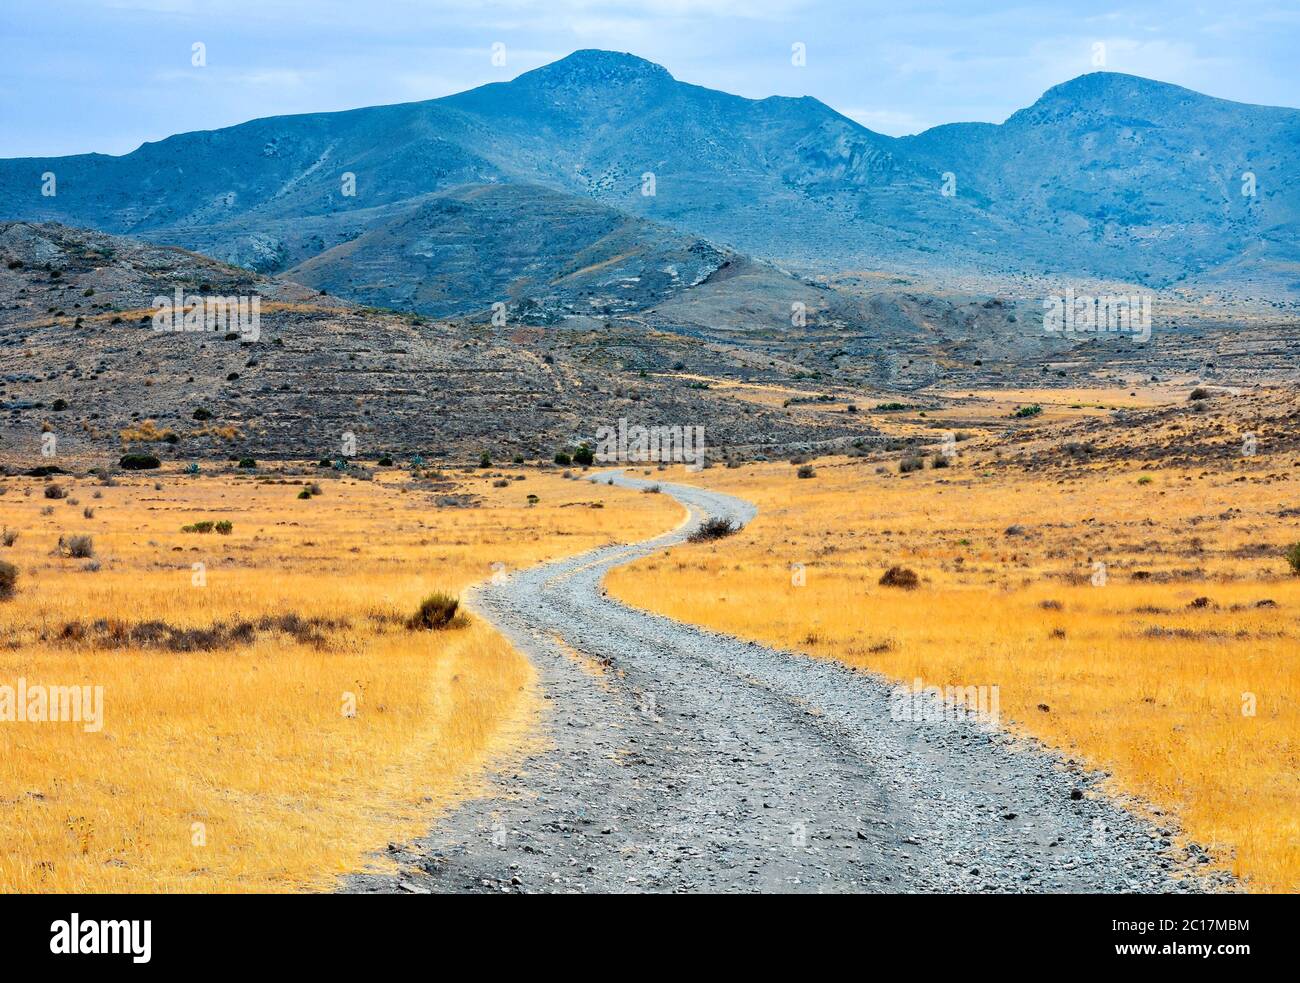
[{"x": 700, "y": 762}]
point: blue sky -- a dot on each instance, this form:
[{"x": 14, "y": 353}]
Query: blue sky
[{"x": 107, "y": 75}]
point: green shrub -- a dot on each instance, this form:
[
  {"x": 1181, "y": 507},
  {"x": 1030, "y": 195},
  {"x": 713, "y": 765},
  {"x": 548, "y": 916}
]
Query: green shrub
[
  {"x": 563, "y": 459},
  {"x": 436, "y": 612},
  {"x": 200, "y": 527},
  {"x": 1026, "y": 411},
  {"x": 1293, "y": 558},
  {"x": 224, "y": 527},
  {"x": 305, "y": 494},
  {"x": 584, "y": 456},
  {"x": 247, "y": 463},
  {"x": 913, "y": 462}
]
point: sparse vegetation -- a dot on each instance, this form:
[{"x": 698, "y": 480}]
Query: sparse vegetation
[
  {"x": 8, "y": 580},
  {"x": 910, "y": 463},
  {"x": 1023, "y": 412},
  {"x": 1292, "y": 558}
]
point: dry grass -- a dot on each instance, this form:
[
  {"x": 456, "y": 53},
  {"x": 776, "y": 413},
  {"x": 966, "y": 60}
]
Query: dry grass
[
  {"x": 1131, "y": 675},
  {"x": 248, "y": 734}
]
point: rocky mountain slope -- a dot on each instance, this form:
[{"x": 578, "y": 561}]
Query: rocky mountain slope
[
  {"x": 1107, "y": 176},
  {"x": 80, "y": 359}
]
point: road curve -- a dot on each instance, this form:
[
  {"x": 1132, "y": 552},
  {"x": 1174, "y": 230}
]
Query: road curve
[{"x": 699, "y": 762}]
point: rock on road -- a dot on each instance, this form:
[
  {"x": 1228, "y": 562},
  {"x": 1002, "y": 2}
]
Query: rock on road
[{"x": 699, "y": 762}]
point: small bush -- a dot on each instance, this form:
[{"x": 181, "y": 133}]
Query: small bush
[
  {"x": 224, "y": 528},
  {"x": 385, "y": 462},
  {"x": 81, "y": 547},
  {"x": 711, "y": 529},
  {"x": 807, "y": 471},
  {"x": 202, "y": 414},
  {"x": 651, "y": 489},
  {"x": 436, "y": 612},
  {"x": 563, "y": 459},
  {"x": 1199, "y": 393},
  {"x": 913, "y": 462},
  {"x": 247, "y": 463},
  {"x": 1292, "y": 558},
  {"x": 55, "y": 490},
  {"x": 199, "y": 527},
  {"x": 584, "y": 456},
  {"x": 304, "y": 494},
  {"x": 1027, "y": 411},
  {"x": 940, "y": 461},
  {"x": 900, "y": 577},
  {"x": 8, "y": 580},
  {"x": 139, "y": 462},
  {"x": 88, "y": 512},
  {"x": 9, "y": 536}
]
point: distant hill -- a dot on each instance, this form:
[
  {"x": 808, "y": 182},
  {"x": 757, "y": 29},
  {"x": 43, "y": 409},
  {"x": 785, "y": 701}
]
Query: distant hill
[{"x": 1106, "y": 176}]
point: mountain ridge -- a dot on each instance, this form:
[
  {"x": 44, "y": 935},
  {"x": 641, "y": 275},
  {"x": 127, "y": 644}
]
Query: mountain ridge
[{"x": 787, "y": 179}]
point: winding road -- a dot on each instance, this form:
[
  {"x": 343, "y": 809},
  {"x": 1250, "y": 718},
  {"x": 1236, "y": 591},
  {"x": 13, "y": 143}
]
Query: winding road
[{"x": 699, "y": 762}]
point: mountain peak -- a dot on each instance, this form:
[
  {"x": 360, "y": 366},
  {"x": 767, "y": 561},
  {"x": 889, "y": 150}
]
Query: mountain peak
[
  {"x": 595, "y": 66},
  {"x": 1112, "y": 90}
]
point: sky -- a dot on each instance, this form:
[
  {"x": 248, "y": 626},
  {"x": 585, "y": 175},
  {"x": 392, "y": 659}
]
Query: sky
[{"x": 106, "y": 75}]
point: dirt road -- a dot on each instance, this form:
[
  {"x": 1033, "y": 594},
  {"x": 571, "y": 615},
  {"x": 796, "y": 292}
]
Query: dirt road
[{"x": 698, "y": 762}]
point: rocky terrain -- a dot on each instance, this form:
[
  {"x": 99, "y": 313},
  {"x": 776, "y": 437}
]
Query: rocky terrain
[{"x": 79, "y": 357}]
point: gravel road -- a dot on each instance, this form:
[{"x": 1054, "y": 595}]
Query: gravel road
[{"x": 699, "y": 762}]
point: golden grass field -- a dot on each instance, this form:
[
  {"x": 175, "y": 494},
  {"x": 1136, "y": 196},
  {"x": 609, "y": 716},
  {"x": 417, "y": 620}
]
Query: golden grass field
[
  {"x": 1193, "y": 710},
  {"x": 238, "y": 767}
]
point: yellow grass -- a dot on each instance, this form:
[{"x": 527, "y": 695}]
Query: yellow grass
[
  {"x": 239, "y": 769},
  {"x": 1155, "y": 692}
]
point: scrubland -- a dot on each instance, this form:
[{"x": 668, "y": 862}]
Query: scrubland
[
  {"x": 270, "y": 719},
  {"x": 1136, "y": 616}
]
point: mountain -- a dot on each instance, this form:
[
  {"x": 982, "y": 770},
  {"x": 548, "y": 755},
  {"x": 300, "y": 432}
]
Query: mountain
[
  {"x": 542, "y": 254},
  {"x": 1106, "y": 176}
]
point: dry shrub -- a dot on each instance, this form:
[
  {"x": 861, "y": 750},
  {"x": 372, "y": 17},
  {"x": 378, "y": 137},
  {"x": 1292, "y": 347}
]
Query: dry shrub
[
  {"x": 900, "y": 577},
  {"x": 8, "y": 580},
  {"x": 714, "y": 528}
]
